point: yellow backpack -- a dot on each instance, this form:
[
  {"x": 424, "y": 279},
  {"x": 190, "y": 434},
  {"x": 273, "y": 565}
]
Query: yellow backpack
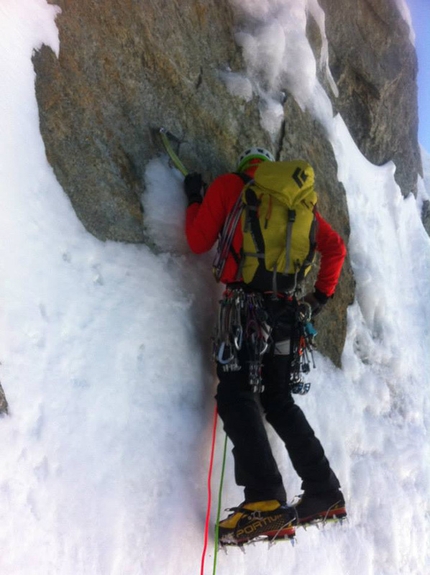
[{"x": 278, "y": 225}]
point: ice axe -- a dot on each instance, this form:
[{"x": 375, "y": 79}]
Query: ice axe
[{"x": 165, "y": 136}]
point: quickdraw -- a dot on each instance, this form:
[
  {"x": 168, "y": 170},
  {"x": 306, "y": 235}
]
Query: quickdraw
[
  {"x": 242, "y": 320},
  {"x": 303, "y": 347}
]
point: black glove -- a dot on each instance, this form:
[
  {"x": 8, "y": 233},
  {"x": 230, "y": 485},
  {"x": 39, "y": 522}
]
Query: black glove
[
  {"x": 193, "y": 186},
  {"x": 316, "y": 300}
]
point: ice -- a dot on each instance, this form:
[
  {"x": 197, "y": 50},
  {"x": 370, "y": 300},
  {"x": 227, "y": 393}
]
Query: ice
[
  {"x": 404, "y": 10},
  {"x": 278, "y": 55}
]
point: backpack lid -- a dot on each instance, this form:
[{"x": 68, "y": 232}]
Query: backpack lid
[{"x": 289, "y": 182}]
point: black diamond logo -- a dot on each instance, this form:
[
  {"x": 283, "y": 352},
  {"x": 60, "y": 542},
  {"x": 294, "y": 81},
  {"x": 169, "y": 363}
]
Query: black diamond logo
[{"x": 300, "y": 177}]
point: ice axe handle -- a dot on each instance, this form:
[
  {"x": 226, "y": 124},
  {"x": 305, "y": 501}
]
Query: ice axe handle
[{"x": 164, "y": 135}]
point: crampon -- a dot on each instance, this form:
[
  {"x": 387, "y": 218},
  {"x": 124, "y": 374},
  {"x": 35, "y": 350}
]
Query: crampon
[
  {"x": 248, "y": 524},
  {"x": 309, "y": 512}
]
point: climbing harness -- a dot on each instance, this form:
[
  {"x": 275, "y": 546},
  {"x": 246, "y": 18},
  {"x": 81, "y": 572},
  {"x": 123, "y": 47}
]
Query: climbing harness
[{"x": 244, "y": 322}]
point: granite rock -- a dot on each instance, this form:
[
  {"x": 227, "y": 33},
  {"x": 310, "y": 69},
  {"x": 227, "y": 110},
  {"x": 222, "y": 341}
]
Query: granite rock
[{"x": 127, "y": 67}]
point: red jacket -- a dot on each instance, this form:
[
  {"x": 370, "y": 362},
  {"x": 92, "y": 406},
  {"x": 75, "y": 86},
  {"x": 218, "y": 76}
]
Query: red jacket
[{"x": 204, "y": 222}]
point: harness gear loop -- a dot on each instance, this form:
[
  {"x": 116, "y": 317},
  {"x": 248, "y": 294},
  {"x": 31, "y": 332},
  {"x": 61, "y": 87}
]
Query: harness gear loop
[
  {"x": 242, "y": 321},
  {"x": 247, "y": 319}
]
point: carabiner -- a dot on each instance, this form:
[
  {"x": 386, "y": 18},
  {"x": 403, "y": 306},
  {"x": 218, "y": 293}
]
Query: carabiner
[
  {"x": 220, "y": 355},
  {"x": 238, "y": 337}
]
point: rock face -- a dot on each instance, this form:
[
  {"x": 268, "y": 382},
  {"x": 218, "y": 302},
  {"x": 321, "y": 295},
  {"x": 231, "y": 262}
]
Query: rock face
[
  {"x": 374, "y": 65},
  {"x": 3, "y": 403},
  {"x": 125, "y": 68},
  {"x": 128, "y": 67}
]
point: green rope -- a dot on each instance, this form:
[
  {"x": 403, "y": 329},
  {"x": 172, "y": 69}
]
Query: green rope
[
  {"x": 173, "y": 156},
  {"x": 219, "y": 506}
]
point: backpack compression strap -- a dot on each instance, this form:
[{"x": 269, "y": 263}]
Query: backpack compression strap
[
  {"x": 290, "y": 222},
  {"x": 252, "y": 225}
]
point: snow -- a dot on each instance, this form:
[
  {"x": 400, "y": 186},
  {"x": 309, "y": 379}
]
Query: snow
[
  {"x": 105, "y": 349},
  {"x": 277, "y": 54},
  {"x": 405, "y": 12}
]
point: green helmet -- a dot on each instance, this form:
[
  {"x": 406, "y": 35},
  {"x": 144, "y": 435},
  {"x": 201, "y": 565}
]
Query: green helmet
[{"x": 255, "y": 153}]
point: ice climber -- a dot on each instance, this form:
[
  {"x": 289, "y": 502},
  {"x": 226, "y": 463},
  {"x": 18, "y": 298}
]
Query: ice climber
[{"x": 255, "y": 381}]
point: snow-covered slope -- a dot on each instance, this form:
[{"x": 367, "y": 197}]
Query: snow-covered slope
[{"x": 105, "y": 350}]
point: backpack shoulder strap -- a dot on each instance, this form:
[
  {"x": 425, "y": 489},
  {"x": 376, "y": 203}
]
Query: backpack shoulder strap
[{"x": 244, "y": 177}]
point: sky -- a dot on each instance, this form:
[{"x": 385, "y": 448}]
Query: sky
[
  {"x": 420, "y": 12},
  {"x": 105, "y": 357}
]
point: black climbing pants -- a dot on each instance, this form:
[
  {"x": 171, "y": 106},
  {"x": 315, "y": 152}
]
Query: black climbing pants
[{"x": 241, "y": 411}]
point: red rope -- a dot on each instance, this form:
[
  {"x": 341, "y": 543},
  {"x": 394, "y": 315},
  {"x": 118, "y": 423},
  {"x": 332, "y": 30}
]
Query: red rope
[{"x": 208, "y": 511}]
